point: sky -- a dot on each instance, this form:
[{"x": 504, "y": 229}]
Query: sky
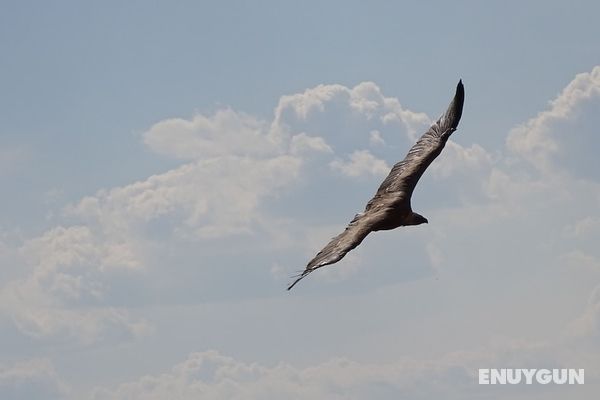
[{"x": 167, "y": 167}]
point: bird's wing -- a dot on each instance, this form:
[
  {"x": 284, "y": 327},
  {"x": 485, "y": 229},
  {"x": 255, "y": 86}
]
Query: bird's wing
[
  {"x": 404, "y": 175},
  {"x": 353, "y": 235},
  {"x": 396, "y": 189}
]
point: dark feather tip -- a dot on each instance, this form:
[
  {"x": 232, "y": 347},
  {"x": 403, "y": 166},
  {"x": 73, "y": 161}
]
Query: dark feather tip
[
  {"x": 460, "y": 88},
  {"x": 299, "y": 278}
]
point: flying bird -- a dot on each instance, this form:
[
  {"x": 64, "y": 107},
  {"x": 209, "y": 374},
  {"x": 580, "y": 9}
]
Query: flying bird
[{"x": 390, "y": 208}]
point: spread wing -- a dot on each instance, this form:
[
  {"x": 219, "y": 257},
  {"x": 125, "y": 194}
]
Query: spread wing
[
  {"x": 353, "y": 235},
  {"x": 404, "y": 175},
  {"x": 396, "y": 189}
]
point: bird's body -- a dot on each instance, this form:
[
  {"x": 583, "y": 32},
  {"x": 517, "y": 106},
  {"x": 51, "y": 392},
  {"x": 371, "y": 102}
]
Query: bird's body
[{"x": 390, "y": 208}]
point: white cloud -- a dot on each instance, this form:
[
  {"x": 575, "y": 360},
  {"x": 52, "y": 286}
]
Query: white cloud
[
  {"x": 361, "y": 163},
  {"x": 303, "y": 143},
  {"x": 375, "y": 138},
  {"x": 536, "y": 140},
  {"x": 77, "y": 245},
  {"x": 221, "y": 192},
  {"x": 364, "y": 99},
  {"x": 458, "y": 159},
  {"x": 63, "y": 296},
  {"x": 226, "y": 133},
  {"x": 531, "y": 224},
  {"x": 213, "y": 376},
  {"x": 209, "y": 198},
  {"x": 511, "y": 190},
  {"x": 237, "y": 163},
  {"x": 72, "y": 269}
]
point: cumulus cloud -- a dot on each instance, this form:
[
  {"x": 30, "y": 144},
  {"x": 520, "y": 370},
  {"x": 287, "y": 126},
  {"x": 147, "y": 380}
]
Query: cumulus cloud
[
  {"x": 244, "y": 160},
  {"x": 229, "y": 132},
  {"x": 234, "y": 164},
  {"x": 361, "y": 162},
  {"x": 226, "y": 133},
  {"x": 209, "y": 198},
  {"x": 72, "y": 269},
  {"x": 364, "y": 101},
  {"x": 212, "y": 375},
  {"x": 234, "y": 161},
  {"x": 365, "y": 98},
  {"x": 538, "y": 141},
  {"x": 528, "y": 223},
  {"x": 68, "y": 271},
  {"x": 303, "y": 143},
  {"x": 375, "y": 138},
  {"x": 457, "y": 159}
]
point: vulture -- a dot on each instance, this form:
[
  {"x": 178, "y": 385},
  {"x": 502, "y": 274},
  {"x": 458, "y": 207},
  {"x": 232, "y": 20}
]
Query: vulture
[{"x": 390, "y": 208}]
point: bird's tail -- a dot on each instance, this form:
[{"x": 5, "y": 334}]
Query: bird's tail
[{"x": 300, "y": 276}]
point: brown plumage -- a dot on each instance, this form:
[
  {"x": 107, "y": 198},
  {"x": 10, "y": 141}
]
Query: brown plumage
[{"x": 390, "y": 207}]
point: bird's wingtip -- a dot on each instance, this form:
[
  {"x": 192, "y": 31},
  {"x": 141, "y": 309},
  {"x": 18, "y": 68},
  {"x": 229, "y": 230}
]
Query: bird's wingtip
[
  {"x": 299, "y": 278},
  {"x": 460, "y": 90}
]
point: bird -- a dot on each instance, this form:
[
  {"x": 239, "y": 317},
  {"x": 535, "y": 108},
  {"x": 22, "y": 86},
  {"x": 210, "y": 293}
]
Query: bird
[{"x": 391, "y": 208}]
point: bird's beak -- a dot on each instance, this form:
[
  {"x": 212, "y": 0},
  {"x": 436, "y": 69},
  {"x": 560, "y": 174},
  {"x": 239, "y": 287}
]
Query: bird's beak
[{"x": 426, "y": 221}]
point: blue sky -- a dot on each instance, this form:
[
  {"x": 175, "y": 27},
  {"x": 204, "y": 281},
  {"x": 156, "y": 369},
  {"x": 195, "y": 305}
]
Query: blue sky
[{"x": 167, "y": 167}]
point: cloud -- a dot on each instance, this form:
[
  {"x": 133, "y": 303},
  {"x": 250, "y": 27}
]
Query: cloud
[
  {"x": 235, "y": 167},
  {"x": 514, "y": 222},
  {"x": 365, "y": 98},
  {"x": 214, "y": 376},
  {"x": 208, "y": 198},
  {"x": 457, "y": 159},
  {"x": 302, "y": 143},
  {"x": 63, "y": 296},
  {"x": 238, "y": 157},
  {"x": 375, "y": 138},
  {"x": 537, "y": 225},
  {"x": 31, "y": 380},
  {"x": 346, "y": 116},
  {"x": 67, "y": 293},
  {"x": 226, "y": 133},
  {"x": 538, "y": 141},
  {"x": 245, "y": 161},
  {"x": 234, "y": 162},
  {"x": 232, "y": 133},
  {"x": 361, "y": 162}
]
